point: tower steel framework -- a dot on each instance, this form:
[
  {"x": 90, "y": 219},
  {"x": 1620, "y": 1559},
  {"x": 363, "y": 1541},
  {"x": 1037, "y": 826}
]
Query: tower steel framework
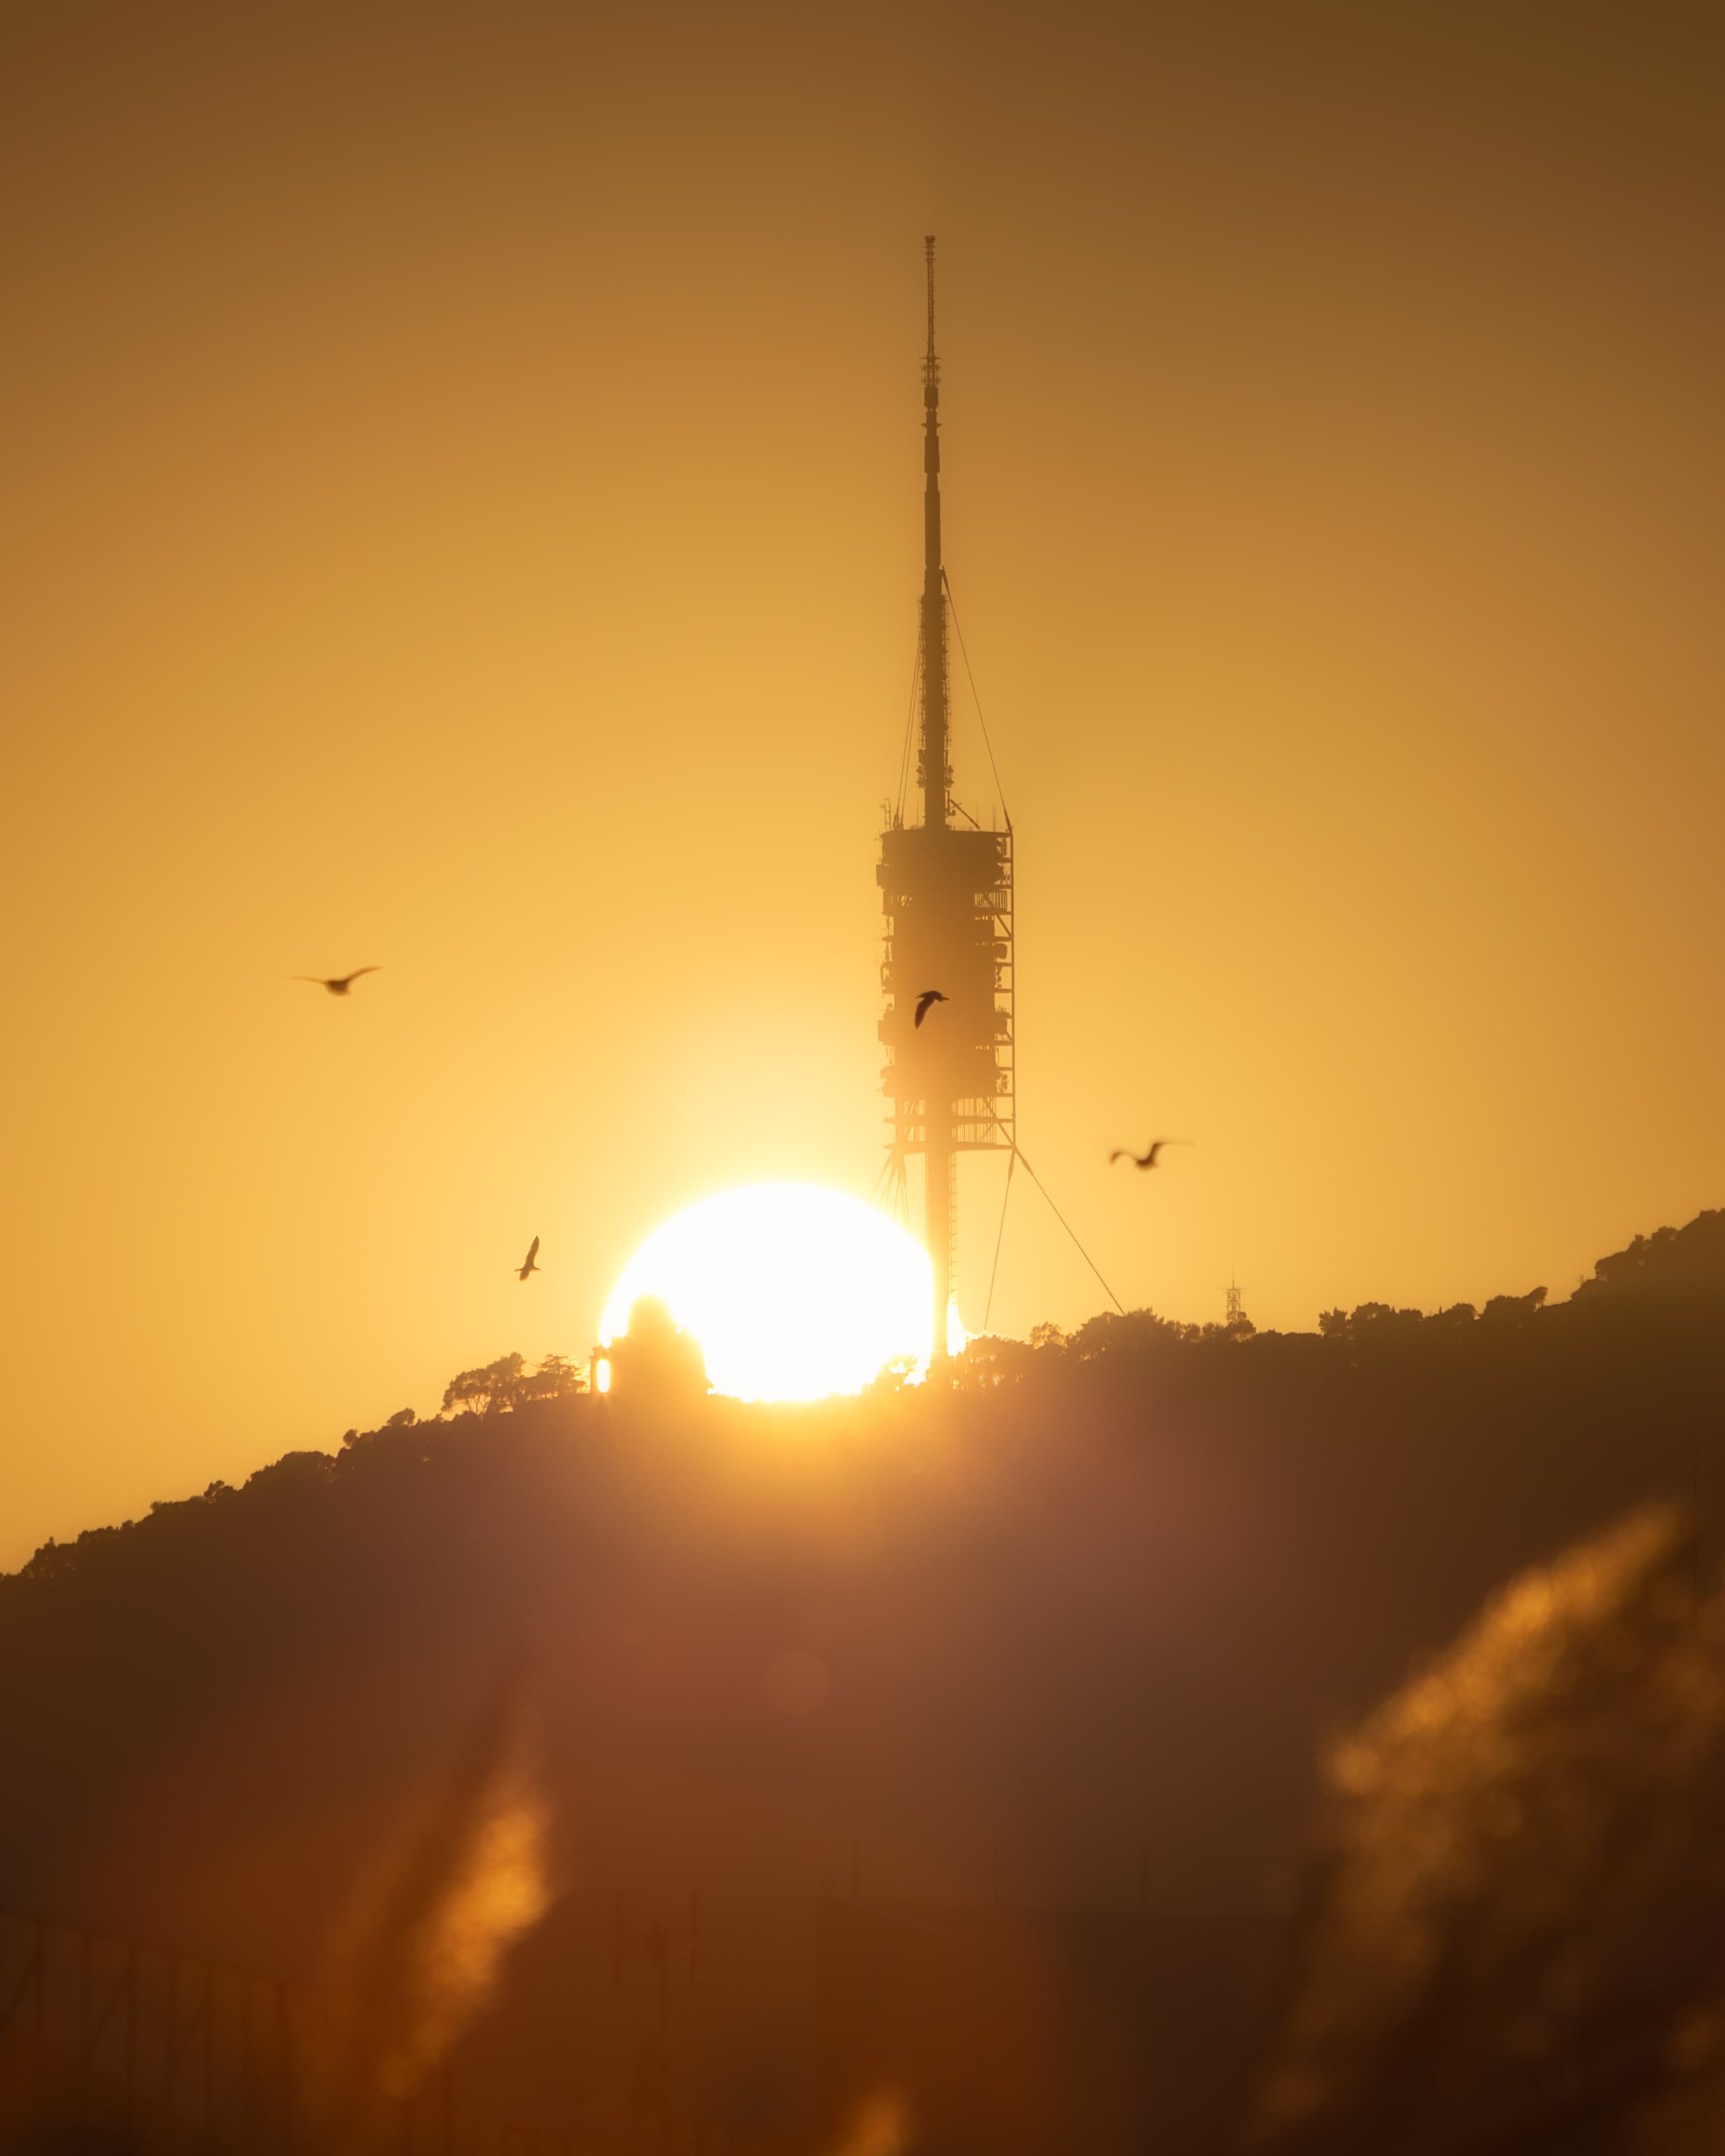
[{"x": 946, "y": 891}]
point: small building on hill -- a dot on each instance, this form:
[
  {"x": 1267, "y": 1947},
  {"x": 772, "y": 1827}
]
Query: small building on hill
[{"x": 654, "y": 1360}]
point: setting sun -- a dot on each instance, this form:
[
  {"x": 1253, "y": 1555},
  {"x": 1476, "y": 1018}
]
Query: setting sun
[{"x": 793, "y": 1292}]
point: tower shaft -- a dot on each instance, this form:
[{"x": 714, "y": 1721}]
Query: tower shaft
[
  {"x": 934, "y": 771},
  {"x": 946, "y": 891}
]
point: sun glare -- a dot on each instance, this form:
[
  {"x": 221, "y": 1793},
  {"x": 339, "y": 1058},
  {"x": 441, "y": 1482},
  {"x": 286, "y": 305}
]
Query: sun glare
[{"x": 793, "y": 1292}]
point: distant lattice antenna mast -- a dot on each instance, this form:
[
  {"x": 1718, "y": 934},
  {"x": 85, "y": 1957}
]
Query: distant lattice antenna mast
[{"x": 1236, "y": 1312}]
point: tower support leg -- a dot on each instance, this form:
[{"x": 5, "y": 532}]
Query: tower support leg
[{"x": 939, "y": 1163}]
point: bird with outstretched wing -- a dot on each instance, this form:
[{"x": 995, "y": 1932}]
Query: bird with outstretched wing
[
  {"x": 341, "y": 984},
  {"x": 1145, "y": 1159}
]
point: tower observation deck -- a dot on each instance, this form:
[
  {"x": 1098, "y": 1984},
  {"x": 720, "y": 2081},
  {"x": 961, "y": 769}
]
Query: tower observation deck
[{"x": 947, "y": 888}]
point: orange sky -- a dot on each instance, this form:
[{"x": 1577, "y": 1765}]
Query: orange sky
[{"x": 460, "y": 512}]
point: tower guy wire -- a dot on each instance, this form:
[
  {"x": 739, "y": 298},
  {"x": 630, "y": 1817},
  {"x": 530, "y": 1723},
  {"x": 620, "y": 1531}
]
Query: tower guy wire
[
  {"x": 1018, "y": 1153},
  {"x": 970, "y": 676},
  {"x": 1012, "y": 1162},
  {"x": 904, "y": 765}
]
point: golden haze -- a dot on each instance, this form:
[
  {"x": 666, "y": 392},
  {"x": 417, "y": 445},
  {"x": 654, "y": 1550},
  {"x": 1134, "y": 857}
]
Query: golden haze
[{"x": 462, "y": 516}]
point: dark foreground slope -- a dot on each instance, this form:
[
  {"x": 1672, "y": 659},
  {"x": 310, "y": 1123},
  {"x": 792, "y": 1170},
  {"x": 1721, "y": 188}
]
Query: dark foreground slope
[{"x": 1065, "y": 1638}]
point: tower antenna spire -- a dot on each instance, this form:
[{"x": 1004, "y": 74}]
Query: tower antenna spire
[{"x": 934, "y": 767}]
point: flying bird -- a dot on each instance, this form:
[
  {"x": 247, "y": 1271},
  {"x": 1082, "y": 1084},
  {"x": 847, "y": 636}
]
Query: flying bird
[
  {"x": 528, "y": 1266},
  {"x": 343, "y": 983},
  {"x": 926, "y": 1002},
  {"x": 1146, "y": 1159}
]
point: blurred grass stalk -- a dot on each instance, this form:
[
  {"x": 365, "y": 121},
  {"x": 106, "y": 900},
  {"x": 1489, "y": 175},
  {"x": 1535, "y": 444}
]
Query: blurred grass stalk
[{"x": 419, "y": 1954}]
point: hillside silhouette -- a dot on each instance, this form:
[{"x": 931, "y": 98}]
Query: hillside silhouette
[{"x": 1064, "y": 1639}]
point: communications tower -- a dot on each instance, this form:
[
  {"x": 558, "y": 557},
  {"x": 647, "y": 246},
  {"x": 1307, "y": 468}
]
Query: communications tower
[{"x": 946, "y": 886}]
